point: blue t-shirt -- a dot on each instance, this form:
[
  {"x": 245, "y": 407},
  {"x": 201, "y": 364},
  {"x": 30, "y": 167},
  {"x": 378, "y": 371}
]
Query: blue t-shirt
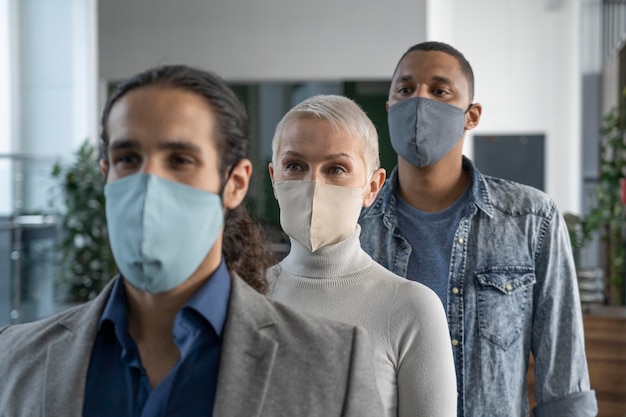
[
  {"x": 117, "y": 384},
  {"x": 431, "y": 236}
]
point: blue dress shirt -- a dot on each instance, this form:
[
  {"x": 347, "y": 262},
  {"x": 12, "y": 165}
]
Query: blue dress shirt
[{"x": 117, "y": 383}]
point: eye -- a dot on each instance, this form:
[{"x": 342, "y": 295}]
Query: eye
[
  {"x": 337, "y": 170},
  {"x": 293, "y": 166},
  {"x": 440, "y": 92},
  {"x": 181, "y": 160},
  {"x": 404, "y": 91},
  {"x": 128, "y": 158}
]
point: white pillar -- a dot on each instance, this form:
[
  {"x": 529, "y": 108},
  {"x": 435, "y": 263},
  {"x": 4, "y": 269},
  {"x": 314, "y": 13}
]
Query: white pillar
[
  {"x": 6, "y": 108},
  {"x": 56, "y": 63}
]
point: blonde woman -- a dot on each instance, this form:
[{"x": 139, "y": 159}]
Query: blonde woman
[{"x": 324, "y": 169}]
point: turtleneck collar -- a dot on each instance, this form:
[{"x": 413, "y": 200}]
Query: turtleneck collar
[{"x": 341, "y": 259}]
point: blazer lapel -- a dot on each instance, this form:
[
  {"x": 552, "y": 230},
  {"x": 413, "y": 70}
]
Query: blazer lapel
[
  {"x": 68, "y": 358},
  {"x": 248, "y": 354}
]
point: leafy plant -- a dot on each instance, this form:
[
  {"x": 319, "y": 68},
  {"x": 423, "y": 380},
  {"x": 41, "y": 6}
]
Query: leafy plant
[
  {"x": 609, "y": 213},
  {"x": 86, "y": 260}
]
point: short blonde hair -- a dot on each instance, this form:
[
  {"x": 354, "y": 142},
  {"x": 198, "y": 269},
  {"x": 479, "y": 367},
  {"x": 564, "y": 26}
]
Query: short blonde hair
[{"x": 344, "y": 115}]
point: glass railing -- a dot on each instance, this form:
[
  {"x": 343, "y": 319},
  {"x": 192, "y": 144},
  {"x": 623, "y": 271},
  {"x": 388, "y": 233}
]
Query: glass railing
[{"x": 29, "y": 235}]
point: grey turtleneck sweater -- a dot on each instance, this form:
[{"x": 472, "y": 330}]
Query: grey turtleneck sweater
[{"x": 405, "y": 320}]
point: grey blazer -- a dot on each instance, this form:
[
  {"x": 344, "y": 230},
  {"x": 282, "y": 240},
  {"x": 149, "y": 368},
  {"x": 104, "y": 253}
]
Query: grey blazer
[{"x": 275, "y": 362}]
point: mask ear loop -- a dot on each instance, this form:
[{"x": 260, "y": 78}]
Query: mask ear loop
[
  {"x": 367, "y": 183},
  {"x": 465, "y": 112}
]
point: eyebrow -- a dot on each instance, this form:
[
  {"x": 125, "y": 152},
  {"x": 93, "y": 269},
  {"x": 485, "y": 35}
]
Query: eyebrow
[
  {"x": 176, "y": 145},
  {"x": 444, "y": 80},
  {"x": 326, "y": 158},
  {"x": 122, "y": 144},
  {"x": 403, "y": 78},
  {"x": 435, "y": 78}
]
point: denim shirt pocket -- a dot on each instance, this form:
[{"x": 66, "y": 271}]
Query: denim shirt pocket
[{"x": 504, "y": 297}]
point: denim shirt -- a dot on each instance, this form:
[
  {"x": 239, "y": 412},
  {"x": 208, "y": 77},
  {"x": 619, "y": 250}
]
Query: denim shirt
[{"x": 512, "y": 291}]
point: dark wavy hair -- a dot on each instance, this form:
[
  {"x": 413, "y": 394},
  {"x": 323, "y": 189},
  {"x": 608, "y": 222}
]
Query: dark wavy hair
[
  {"x": 466, "y": 68},
  {"x": 245, "y": 248}
]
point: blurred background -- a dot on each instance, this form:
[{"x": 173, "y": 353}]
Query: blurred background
[{"x": 549, "y": 74}]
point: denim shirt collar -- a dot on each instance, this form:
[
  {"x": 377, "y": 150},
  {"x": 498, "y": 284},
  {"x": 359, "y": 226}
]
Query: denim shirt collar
[
  {"x": 480, "y": 195},
  {"x": 386, "y": 203}
]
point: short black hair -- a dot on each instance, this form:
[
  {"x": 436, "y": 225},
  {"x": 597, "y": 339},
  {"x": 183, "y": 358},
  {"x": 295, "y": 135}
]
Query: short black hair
[{"x": 466, "y": 68}]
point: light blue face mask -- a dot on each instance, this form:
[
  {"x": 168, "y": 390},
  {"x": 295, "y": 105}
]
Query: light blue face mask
[
  {"x": 160, "y": 230},
  {"x": 423, "y": 131}
]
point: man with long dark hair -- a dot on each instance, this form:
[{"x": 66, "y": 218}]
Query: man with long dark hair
[{"x": 182, "y": 331}]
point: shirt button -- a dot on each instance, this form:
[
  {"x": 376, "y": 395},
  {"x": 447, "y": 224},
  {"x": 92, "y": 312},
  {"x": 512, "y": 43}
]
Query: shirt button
[
  {"x": 461, "y": 240},
  {"x": 508, "y": 287},
  {"x": 455, "y": 342},
  {"x": 455, "y": 290}
]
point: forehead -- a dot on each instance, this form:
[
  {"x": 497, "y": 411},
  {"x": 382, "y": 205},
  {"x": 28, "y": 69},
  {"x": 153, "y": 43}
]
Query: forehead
[
  {"x": 160, "y": 112},
  {"x": 425, "y": 65},
  {"x": 317, "y": 136}
]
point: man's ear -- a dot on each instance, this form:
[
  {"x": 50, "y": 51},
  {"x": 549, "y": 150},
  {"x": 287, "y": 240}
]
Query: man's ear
[
  {"x": 375, "y": 183},
  {"x": 472, "y": 117},
  {"x": 237, "y": 185},
  {"x": 104, "y": 166}
]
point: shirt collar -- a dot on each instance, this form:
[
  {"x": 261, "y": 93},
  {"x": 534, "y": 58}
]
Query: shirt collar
[
  {"x": 210, "y": 301},
  {"x": 479, "y": 194},
  {"x": 115, "y": 314},
  {"x": 116, "y": 309}
]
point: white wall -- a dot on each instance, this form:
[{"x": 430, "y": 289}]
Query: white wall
[
  {"x": 439, "y": 25},
  {"x": 525, "y": 55},
  {"x": 248, "y": 40}
]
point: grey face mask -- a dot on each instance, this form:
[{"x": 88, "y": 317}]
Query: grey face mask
[{"x": 423, "y": 131}]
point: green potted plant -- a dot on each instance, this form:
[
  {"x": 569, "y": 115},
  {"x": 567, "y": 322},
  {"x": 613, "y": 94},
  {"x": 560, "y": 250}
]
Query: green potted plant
[
  {"x": 608, "y": 215},
  {"x": 86, "y": 263}
]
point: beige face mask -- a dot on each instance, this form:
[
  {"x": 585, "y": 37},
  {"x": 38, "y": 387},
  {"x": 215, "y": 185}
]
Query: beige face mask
[{"x": 317, "y": 214}]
